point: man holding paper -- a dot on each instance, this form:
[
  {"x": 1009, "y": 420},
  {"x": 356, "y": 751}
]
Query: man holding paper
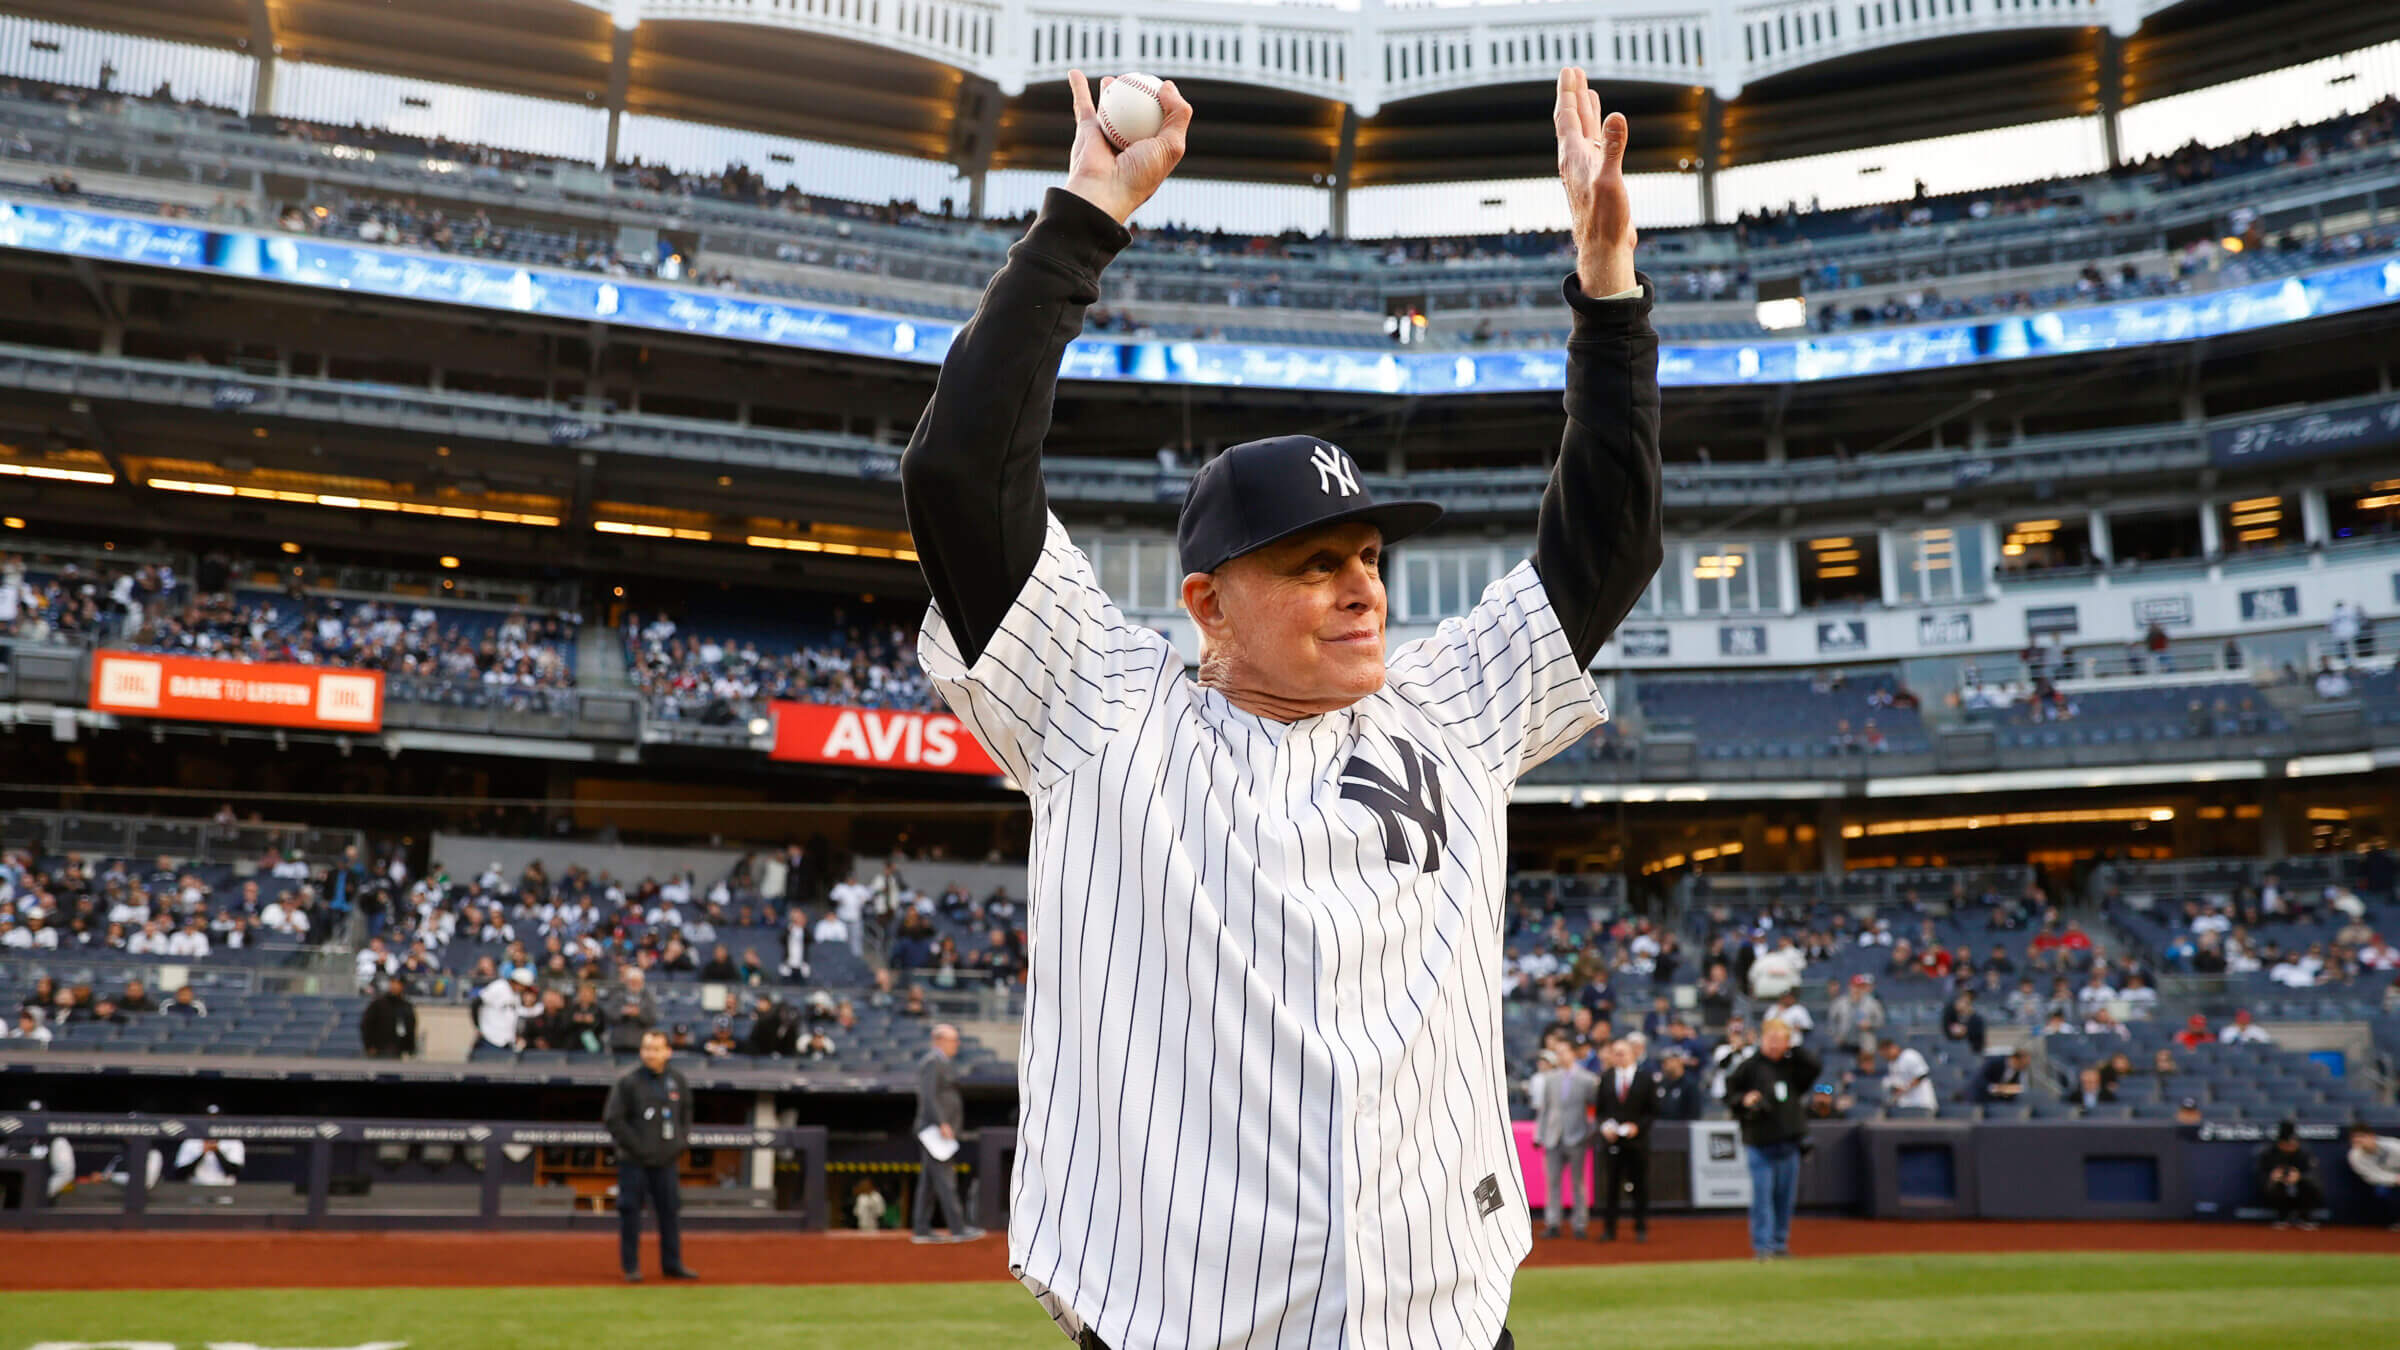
[{"x": 940, "y": 1116}]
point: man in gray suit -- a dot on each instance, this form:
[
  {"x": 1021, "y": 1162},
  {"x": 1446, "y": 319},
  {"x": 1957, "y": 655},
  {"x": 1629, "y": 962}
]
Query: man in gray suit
[
  {"x": 939, "y": 1107},
  {"x": 1563, "y": 1093}
]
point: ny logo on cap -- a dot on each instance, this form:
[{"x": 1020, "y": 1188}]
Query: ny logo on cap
[{"x": 1334, "y": 470}]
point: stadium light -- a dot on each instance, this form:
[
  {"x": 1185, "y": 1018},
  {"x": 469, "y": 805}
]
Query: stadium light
[{"x": 57, "y": 475}]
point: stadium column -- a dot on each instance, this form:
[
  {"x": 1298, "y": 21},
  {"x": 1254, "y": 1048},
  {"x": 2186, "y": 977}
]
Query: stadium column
[
  {"x": 974, "y": 131},
  {"x": 763, "y": 1116},
  {"x": 620, "y": 78},
  {"x": 2109, "y": 82},
  {"x": 263, "y": 50},
  {"x": 2315, "y": 528},
  {"x": 1337, "y": 182},
  {"x": 1831, "y": 849},
  {"x": 1704, "y": 155}
]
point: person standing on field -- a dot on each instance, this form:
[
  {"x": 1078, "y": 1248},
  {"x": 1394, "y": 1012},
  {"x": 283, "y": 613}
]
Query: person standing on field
[
  {"x": 1264, "y": 1081},
  {"x": 941, "y": 1110},
  {"x": 649, "y": 1117},
  {"x": 1769, "y": 1096}
]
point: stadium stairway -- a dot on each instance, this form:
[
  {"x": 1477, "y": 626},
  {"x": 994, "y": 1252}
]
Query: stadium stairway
[{"x": 600, "y": 660}]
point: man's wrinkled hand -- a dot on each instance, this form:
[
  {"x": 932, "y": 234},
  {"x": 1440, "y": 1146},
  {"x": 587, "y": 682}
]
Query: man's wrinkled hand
[
  {"x": 1119, "y": 181},
  {"x": 1591, "y": 166}
]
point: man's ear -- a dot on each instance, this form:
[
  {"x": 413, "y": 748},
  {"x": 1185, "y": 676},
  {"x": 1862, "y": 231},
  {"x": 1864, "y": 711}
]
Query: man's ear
[{"x": 1204, "y": 600}]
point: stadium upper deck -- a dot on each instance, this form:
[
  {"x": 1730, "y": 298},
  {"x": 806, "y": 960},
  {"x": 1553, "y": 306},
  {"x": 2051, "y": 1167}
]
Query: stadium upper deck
[{"x": 1356, "y": 92}]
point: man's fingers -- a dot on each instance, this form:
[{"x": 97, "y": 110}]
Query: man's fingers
[
  {"x": 1085, "y": 111},
  {"x": 1566, "y": 118},
  {"x": 1613, "y": 135},
  {"x": 1179, "y": 115}
]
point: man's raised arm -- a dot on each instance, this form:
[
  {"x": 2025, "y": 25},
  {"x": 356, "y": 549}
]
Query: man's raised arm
[
  {"x": 1597, "y": 542},
  {"x": 971, "y": 477}
]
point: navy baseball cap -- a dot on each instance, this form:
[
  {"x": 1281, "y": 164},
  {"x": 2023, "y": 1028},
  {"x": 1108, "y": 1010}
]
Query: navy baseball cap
[{"x": 1261, "y": 491}]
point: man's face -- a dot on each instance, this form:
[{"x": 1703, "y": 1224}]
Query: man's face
[
  {"x": 1775, "y": 1041},
  {"x": 2090, "y": 1079},
  {"x": 1300, "y": 620},
  {"x": 655, "y": 1052}
]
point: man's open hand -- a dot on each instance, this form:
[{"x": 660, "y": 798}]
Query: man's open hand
[
  {"x": 1591, "y": 165},
  {"x": 1119, "y": 181}
]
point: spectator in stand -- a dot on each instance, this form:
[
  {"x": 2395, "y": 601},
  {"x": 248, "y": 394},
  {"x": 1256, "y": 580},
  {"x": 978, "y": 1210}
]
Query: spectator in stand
[
  {"x": 2026, "y": 1006},
  {"x": 1716, "y": 997},
  {"x": 29, "y": 1028},
  {"x": 136, "y": 998},
  {"x": 774, "y": 1028},
  {"x": 2375, "y": 1160},
  {"x": 587, "y": 1019},
  {"x": 2195, "y": 1033},
  {"x": 2091, "y": 1090},
  {"x": 2243, "y": 1031},
  {"x": 498, "y": 1012},
  {"x": 1960, "y": 1022},
  {"x": 2287, "y": 1179},
  {"x": 1907, "y": 1079},
  {"x": 720, "y": 966},
  {"x": 2005, "y": 1079},
  {"x": 185, "y": 1003},
  {"x": 635, "y": 1011},
  {"x": 1789, "y": 1011},
  {"x": 388, "y": 1026},
  {"x": 1680, "y": 1095}
]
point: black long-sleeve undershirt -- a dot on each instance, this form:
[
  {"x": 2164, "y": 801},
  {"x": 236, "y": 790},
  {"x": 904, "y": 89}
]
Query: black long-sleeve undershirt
[{"x": 972, "y": 479}]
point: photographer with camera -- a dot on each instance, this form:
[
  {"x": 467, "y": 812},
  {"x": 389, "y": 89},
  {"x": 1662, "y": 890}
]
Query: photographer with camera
[{"x": 1768, "y": 1093}]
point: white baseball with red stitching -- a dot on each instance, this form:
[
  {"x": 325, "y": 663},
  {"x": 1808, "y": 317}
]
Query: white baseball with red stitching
[{"x": 1130, "y": 110}]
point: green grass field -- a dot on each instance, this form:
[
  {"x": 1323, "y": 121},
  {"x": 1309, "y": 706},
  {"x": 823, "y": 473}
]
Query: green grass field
[{"x": 2112, "y": 1302}]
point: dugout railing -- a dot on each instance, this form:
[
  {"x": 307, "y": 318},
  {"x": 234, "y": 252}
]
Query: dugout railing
[{"x": 324, "y": 1174}]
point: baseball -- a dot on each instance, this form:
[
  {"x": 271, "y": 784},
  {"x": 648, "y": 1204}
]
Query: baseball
[{"x": 1129, "y": 110}]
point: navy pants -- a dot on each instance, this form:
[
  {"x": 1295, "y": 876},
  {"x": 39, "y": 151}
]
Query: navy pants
[{"x": 658, "y": 1188}]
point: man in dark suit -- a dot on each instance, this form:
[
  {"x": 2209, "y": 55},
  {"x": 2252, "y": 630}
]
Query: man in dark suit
[
  {"x": 939, "y": 1108},
  {"x": 649, "y": 1116},
  {"x": 2004, "y": 1080},
  {"x": 1627, "y": 1106}
]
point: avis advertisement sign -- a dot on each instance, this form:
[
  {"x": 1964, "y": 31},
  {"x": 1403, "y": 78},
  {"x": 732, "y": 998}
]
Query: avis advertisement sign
[
  {"x": 818, "y": 733},
  {"x": 260, "y": 693}
]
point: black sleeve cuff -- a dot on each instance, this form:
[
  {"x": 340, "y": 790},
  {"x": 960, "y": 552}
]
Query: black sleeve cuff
[
  {"x": 1076, "y": 232},
  {"x": 1603, "y": 318}
]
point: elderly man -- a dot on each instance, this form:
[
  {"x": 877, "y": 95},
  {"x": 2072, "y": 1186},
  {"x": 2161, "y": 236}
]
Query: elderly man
[
  {"x": 1313, "y": 1068},
  {"x": 1562, "y": 1092},
  {"x": 941, "y": 1114},
  {"x": 1768, "y": 1094}
]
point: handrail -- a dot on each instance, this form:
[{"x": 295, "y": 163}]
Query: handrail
[{"x": 492, "y": 417}]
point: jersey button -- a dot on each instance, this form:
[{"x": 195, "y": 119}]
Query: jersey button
[
  {"x": 1348, "y": 998},
  {"x": 1366, "y": 1100}
]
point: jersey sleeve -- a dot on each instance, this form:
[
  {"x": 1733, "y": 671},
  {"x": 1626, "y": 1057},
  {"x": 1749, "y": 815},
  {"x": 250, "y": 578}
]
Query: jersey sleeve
[
  {"x": 1063, "y": 673},
  {"x": 1503, "y": 681}
]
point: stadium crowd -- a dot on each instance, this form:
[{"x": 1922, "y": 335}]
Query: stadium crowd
[{"x": 721, "y": 680}]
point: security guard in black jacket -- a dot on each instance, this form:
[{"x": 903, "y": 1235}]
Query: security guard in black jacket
[
  {"x": 1768, "y": 1094},
  {"x": 649, "y": 1115}
]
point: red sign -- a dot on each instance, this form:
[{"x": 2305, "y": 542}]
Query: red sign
[
  {"x": 817, "y": 733},
  {"x": 262, "y": 693}
]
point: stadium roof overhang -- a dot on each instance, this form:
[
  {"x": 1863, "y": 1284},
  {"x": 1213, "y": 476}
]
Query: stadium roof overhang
[{"x": 1442, "y": 93}]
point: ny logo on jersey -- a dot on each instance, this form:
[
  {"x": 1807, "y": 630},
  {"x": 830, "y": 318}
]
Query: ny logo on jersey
[
  {"x": 1334, "y": 470},
  {"x": 1415, "y": 795}
]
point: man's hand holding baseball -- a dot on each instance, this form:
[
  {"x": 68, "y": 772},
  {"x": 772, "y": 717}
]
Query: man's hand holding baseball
[
  {"x": 1119, "y": 181},
  {"x": 1591, "y": 165}
]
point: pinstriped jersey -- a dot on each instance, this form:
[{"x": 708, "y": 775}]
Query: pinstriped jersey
[{"x": 1263, "y": 1098}]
